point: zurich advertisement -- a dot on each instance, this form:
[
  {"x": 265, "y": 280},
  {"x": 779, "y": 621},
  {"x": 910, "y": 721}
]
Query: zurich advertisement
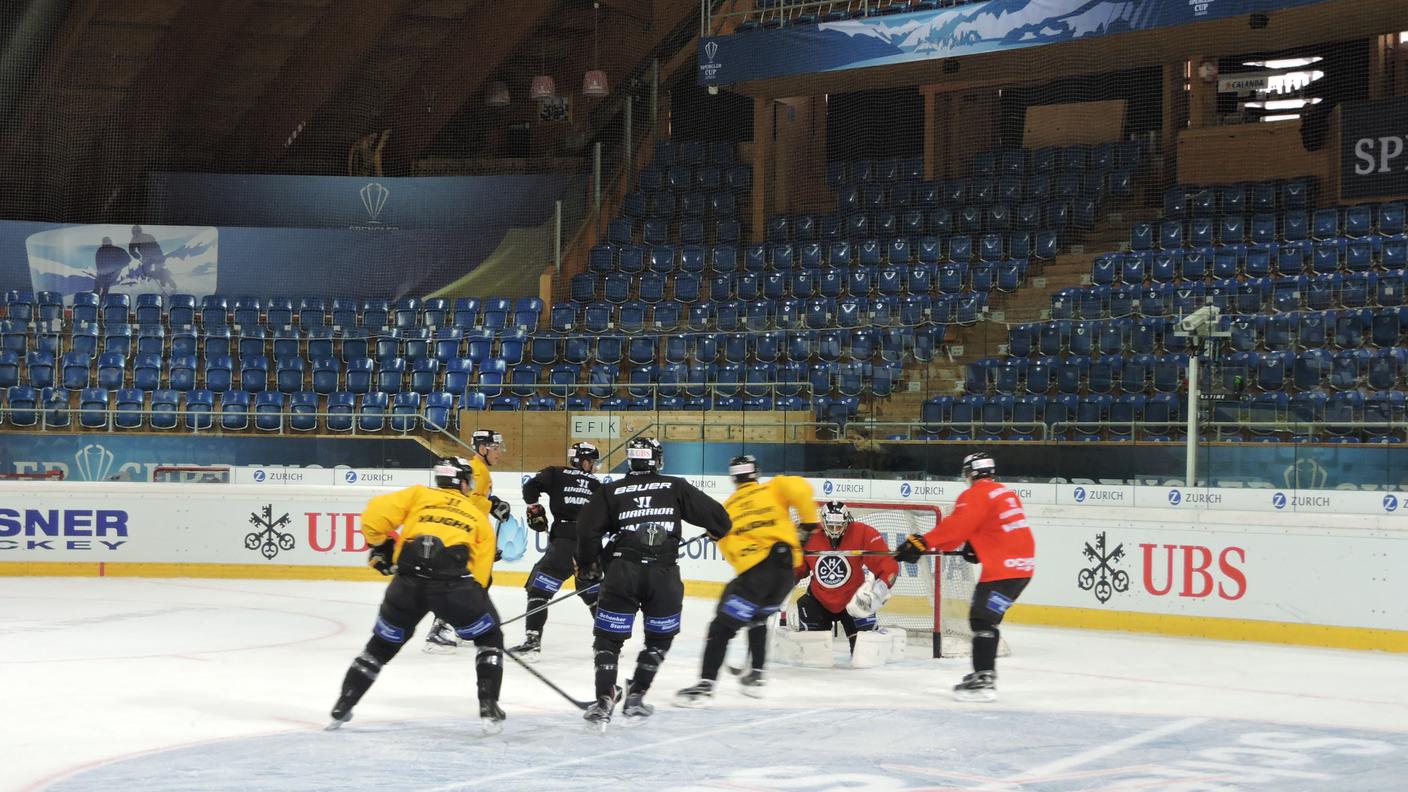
[{"x": 949, "y": 32}]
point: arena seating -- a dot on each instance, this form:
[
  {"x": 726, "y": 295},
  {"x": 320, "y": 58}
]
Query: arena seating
[{"x": 772, "y": 14}]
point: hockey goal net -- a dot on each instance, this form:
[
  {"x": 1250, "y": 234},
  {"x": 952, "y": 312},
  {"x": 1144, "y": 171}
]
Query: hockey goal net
[
  {"x": 191, "y": 474},
  {"x": 931, "y": 598}
]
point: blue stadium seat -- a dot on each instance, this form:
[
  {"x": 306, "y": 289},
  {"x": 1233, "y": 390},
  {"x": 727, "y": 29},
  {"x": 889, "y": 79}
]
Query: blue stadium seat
[{"x": 234, "y": 410}]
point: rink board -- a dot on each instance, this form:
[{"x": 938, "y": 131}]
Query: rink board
[{"x": 1311, "y": 567}]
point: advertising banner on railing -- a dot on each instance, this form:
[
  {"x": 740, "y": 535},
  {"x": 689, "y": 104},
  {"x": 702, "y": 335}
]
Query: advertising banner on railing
[
  {"x": 1374, "y": 149},
  {"x": 970, "y": 29}
]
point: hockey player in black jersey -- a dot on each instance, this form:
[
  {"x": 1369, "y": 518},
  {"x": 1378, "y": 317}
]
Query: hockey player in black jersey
[
  {"x": 568, "y": 490},
  {"x": 642, "y": 514}
]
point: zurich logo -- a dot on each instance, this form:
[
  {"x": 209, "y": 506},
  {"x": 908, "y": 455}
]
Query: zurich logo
[
  {"x": 350, "y": 477},
  {"x": 1390, "y": 503},
  {"x": 1174, "y": 497},
  {"x": 906, "y": 490},
  {"x": 1079, "y": 494},
  {"x": 607, "y": 479},
  {"x": 827, "y": 487},
  {"x": 710, "y": 50},
  {"x": 1279, "y": 500},
  {"x": 259, "y": 475},
  {"x": 526, "y": 477}
]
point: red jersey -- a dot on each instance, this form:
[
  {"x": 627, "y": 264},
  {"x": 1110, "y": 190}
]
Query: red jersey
[
  {"x": 989, "y": 517},
  {"x": 836, "y": 578}
]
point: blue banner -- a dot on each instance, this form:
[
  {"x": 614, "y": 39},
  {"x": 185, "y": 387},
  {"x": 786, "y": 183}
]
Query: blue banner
[
  {"x": 107, "y": 457},
  {"x": 971, "y": 29}
]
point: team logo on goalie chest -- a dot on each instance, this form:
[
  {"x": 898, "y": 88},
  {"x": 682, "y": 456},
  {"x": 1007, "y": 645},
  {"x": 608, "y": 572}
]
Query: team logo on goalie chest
[{"x": 832, "y": 571}]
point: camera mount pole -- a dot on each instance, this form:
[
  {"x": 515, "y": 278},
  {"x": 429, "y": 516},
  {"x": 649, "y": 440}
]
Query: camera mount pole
[{"x": 1198, "y": 328}]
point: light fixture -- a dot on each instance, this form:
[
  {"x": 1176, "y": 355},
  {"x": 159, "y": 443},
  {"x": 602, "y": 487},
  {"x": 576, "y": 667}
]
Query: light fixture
[
  {"x": 594, "y": 82},
  {"x": 544, "y": 87},
  {"x": 1207, "y": 71},
  {"x": 1284, "y": 63},
  {"x": 497, "y": 95}
]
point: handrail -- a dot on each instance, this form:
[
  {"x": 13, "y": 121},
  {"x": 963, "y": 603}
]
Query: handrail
[{"x": 783, "y": 10}]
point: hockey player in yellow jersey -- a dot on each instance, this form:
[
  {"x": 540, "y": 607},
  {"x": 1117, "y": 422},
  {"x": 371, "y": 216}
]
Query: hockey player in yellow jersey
[
  {"x": 441, "y": 560},
  {"x": 488, "y": 446},
  {"x": 764, "y": 546}
]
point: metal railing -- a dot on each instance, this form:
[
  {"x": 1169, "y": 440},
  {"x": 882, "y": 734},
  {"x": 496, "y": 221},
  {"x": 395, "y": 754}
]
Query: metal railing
[{"x": 784, "y": 11}]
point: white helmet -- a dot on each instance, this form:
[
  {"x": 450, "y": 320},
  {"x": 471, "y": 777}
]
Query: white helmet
[{"x": 835, "y": 519}]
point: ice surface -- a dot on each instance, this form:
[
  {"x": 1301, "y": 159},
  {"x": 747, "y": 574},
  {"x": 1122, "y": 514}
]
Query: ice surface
[{"x": 224, "y": 684}]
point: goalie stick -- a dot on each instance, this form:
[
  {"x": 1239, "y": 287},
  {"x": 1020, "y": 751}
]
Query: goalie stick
[{"x": 581, "y": 705}]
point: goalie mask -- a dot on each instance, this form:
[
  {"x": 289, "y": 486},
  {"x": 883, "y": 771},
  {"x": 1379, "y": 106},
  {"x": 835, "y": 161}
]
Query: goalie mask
[
  {"x": 979, "y": 465},
  {"x": 450, "y": 471},
  {"x": 645, "y": 455},
  {"x": 835, "y": 519},
  {"x": 583, "y": 452}
]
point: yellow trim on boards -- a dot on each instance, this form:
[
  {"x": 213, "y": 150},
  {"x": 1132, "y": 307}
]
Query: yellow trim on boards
[
  {"x": 1323, "y": 635},
  {"x": 1050, "y": 615}
]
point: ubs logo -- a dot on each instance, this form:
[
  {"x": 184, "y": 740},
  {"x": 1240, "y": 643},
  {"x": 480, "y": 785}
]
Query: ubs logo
[{"x": 1079, "y": 494}]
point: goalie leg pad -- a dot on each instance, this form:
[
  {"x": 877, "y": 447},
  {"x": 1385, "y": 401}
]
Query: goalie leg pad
[
  {"x": 805, "y": 648},
  {"x": 874, "y": 648}
]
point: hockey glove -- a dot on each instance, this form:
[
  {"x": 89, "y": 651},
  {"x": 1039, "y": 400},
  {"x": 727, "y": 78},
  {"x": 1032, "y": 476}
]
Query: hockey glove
[
  {"x": 868, "y": 599},
  {"x": 380, "y": 559},
  {"x": 969, "y": 554},
  {"x": 911, "y": 549},
  {"x": 805, "y": 531},
  {"x": 589, "y": 577},
  {"x": 537, "y": 517},
  {"x": 498, "y": 509}
]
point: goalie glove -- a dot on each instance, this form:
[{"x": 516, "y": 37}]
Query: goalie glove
[
  {"x": 537, "y": 517},
  {"x": 499, "y": 509},
  {"x": 380, "y": 558},
  {"x": 911, "y": 549},
  {"x": 868, "y": 599}
]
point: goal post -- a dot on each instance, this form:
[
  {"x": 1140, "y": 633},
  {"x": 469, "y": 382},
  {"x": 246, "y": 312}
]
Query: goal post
[
  {"x": 45, "y": 475},
  {"x": 191, "y": 474},
  {"x": 931, "y": 598}
]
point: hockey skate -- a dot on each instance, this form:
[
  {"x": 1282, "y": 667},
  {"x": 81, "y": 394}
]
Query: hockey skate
[
  {"x": 341, "y": 713},
  {"x": 442, "y": 639},
  {"x": 754, "y": 683},
  {"x": 531, "y": 650},
  {"x": 979, "y": 686},
  {"x": 598, "y": 715},
  {"x": 700, "y": 694},
  {"x": 635, "y": 709},
  {"x": 491, "y": 717}
]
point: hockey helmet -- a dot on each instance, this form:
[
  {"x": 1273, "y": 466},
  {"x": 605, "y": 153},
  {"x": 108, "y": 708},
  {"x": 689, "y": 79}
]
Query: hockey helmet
[
  {"x": 582, "y": 452},
  {"x": 979, "y": 465},
  {"x": 743, "y": 469},
  {"x": 835, "y": 519},
  {"x": 487, "y": 437},
  {"x": 450, "y": 471},
  {"x": 645, "y": 455}
]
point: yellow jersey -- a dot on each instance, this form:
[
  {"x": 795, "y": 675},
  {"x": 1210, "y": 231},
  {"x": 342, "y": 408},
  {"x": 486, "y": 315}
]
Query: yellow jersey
[
  {"x": 483, "y": 484},
  {"x": 442, "y": 513},
  {"x": 761, "y": 518}
]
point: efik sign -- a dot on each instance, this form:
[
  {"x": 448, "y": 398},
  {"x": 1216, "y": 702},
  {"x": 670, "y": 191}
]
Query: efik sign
[
  {"x": 1189, "y": 571},
  {"x": 326, "y": 530}
]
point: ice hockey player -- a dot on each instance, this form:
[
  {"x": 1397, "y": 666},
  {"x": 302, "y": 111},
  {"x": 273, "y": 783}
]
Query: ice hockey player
[
  {"x": 568, "y": 490},
  {"x": 990, "y": 527},
  {"x": 441, "y": 561},
  {"x": 765, "y": 548},
  {"x": 488, "y": 446},
  {"x": 839, "y": 590},
  {"x": 642, "y": 513}
]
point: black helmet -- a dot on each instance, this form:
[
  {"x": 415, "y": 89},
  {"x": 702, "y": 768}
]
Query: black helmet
[
  {"x": 743, "y": 468},
  {"x": 486, "y": 437},
  {"x": 979, "y": 465},
  {"x": 645, "y": 455},
  {"x": 835, "y": 519},
  {"x": 582, "y": 452},
  {"x": 450, "y": 471}
]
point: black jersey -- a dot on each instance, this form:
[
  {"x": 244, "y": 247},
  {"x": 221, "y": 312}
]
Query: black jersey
[
  {"x": 568, "y": 490},
  {"x": 643, "y": 513}
]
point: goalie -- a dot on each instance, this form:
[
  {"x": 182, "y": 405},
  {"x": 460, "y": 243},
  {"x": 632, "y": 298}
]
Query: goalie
[{"x": 840, "y": 591}]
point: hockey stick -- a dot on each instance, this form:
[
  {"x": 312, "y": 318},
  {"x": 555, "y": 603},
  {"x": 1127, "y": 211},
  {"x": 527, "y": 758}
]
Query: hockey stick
[
  {"x": 581, "y": 705},
  {"x": 551, "y": 603},
  {"x": 862, "y": 553}
]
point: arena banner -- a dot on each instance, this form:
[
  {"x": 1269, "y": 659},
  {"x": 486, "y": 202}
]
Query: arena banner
[
  {"x": 1374, "y": 149},
  {"x": 132, "y": 457},
  {"x": 992, "y": 26}
]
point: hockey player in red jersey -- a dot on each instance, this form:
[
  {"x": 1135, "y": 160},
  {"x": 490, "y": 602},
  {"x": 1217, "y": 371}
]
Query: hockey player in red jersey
[
  {"x": 990, "y": 527},
  {"x": 839, "y": 590}
]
